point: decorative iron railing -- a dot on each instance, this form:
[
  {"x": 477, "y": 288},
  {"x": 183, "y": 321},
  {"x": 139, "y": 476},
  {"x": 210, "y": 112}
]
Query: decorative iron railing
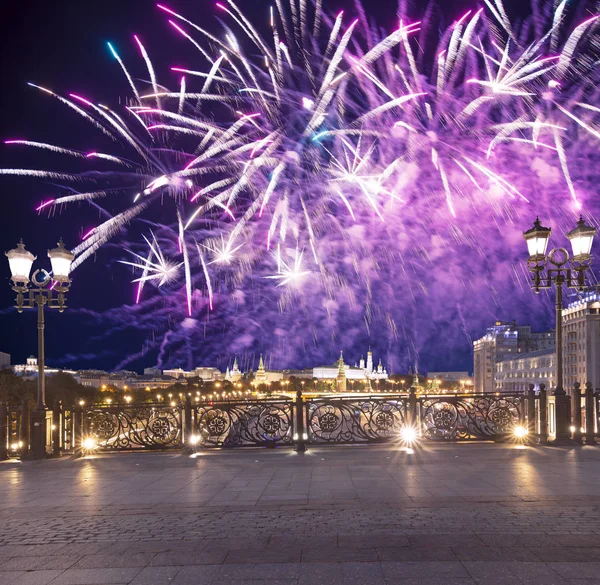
[
  {"x": 286, "y": 422},
  {"x": 130, "y": 427},
  {"x": 467, "y": 417},
  {"x": 354, "y": 419},
  {"x": 243, "y": 424}
]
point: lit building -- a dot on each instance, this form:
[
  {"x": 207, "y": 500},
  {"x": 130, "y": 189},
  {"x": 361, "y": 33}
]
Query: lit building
[
  {"x": 536, "y": 367},
  {"x": 4, "y": 360},
  {"x": 451, "y": 376},
  {"x": 581, "y": 340},
  {"x": 177, "y": 373},
  {"x": 340, "y": 383},
  {"x": 364, "y": 371},
  {"x": 299, "y": 374},
  {"x": 264, "y": 376},
  {"x": 501, "y": 342},
  {"x": 233, "y": 375},
  {"x": 31, "y": 368}
]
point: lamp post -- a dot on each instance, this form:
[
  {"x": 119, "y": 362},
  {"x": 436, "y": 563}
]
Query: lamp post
[
  {"x": 43, "y": 289},
  {"x": 559, "y": 269}
]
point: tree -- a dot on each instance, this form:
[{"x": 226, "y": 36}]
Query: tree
[
  {"x": 62, "y": 386},
  {"x": 13, "y": 389}
]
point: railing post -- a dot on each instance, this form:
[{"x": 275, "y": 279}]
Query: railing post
[
  {"x": 24, "y": 438},
  {"x": 300, "y": 434},
  {"x": 188, "y": 430},
  {"x": 590, "y": 414},
  {"x": 412, "y": 407},
  {"x": 56, "y": 428},
  {"x": 78, "y": 430},
  {"x": 531, "y": 418},
  {"x": 543, "y": 409},
  {"x": 576, "y": 412},
  {"x": 3, "y": 431}
]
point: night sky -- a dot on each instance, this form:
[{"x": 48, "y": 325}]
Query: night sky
[{"x": 62, "y": 45}]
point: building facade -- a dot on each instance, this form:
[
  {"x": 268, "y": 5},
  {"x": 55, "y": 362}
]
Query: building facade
[
  {"x": 581, "y": 341},
  {"x": 451, "y": 376},
  {"x": 504, "y": 340},
  {"x": 4, "y": 360},
  {"x": 517, "y": 373},
  {"x": 362, "y": 371}
]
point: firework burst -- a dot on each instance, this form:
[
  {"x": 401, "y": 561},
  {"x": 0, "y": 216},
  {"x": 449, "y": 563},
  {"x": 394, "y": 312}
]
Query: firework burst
[{"x": 330, "y": 167}]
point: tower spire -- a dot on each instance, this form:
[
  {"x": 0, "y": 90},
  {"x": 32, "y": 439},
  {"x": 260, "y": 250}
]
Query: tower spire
[{"x": 340, "y": 382}]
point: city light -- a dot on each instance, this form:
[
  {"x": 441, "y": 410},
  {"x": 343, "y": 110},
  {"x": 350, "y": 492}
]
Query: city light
[
  {"x": 89, "y": 444},
  {"x": 408, "y": 434},
  {"x": 520, "y": 432}
]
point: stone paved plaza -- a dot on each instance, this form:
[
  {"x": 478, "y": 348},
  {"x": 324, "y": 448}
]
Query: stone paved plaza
[{"x": 448, "y": 514}]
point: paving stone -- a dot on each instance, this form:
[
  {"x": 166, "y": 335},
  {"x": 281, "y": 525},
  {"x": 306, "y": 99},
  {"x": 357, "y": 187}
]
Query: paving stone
[
  {"x": 196, "y": 575},
  {"x": 567, "y": 554},
  {"x": 39, "y": 562},
  {"x": 403, "y": 553},
  {"x": 92, "y": 548},
  {"x": 498, "y": 553},
  {"x": 424, "y": 570},
  {"x": 9, "y": 577},
  {"x": 120, "y": 560},
  {"x": 37, "y": 577},
  {"x": 16, "y": 550},
  {"x": 579, "y": 570},
  {"x": 197, "y": 557},
  {"x": 510, "y": 572},
  {"x": 433, "y": 581},
  {"x": 333, "y": 555},
  {"x": 233, "y": 544},
  {"x": 364, "y": 573},
  {"x": 308, "y": 541},
  {"x": 373, "y": 541},
  {"x": 259, "y": 572},
  {"x": 96, "y": 576},
  {"x": 312, "y": 573},
  {"x": 574, "y": 540},
  {"x": 283, "y": 555},
  {"x": 156, "y": 576},
  {"x": 535, "y": 540},
  {"x": 436, "y": 540}
]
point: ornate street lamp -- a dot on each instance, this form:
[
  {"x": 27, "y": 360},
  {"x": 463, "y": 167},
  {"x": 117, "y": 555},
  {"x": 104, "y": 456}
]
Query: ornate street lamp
[
  {"x": 558, "y": 268},
  {"x": 42, "y": 289}
]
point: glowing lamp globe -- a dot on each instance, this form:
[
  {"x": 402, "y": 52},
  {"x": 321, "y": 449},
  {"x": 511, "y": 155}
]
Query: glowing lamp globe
[
  {"x": 20, "y": 261},
  {"x": 581, "y": 240},
  {"x": 537, "y": 240},
  {"x": 61, "y": 259}
]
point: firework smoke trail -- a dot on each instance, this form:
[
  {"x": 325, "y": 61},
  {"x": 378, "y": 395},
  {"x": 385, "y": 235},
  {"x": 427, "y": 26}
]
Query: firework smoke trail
[{"x": 345, "y": 167}]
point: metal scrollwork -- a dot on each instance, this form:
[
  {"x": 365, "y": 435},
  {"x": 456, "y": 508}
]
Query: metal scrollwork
[
  {"x": 134, "y": 427},
  {"x": 239, "y": 424},
  {"x": 464, "y": 417},
  {"x": 343, "y": 420}
]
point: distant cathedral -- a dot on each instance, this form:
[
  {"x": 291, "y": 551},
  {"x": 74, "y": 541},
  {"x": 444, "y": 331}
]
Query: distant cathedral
[{"x": 234, "y": 375}]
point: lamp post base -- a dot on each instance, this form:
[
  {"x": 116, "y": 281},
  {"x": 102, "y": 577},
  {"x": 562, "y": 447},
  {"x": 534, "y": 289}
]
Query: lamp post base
[
  {"x": 38, "y": 434},
  {"x": 562, "y": 403}
]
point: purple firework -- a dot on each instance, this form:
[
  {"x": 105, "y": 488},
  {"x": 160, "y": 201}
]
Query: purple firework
[{"x": 329, "y": 184}]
